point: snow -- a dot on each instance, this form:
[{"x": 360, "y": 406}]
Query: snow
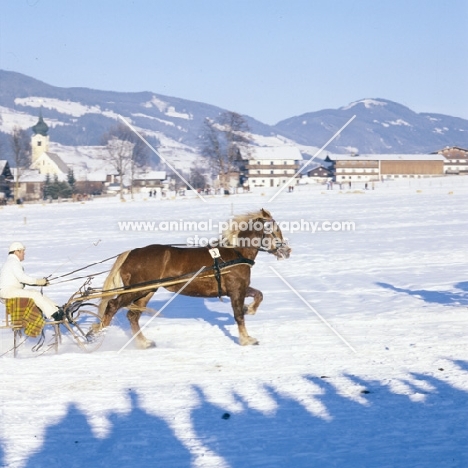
[
  {"x": 11, "y": 119},
  {"x": 75, "y": 109},
  {"x": 368, "y": 104},
  {"x": 399, "y": 122},
  {"x": 89, "y": 162},
  {"x": 166, "y": 109},
  {"x": 171, "y": 112},
  {"x": 156, "y": 102},
  {"x": 395, "y": 289},
  {"x": 165, "y": 122}
]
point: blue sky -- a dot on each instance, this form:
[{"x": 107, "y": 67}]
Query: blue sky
[{"x": 268, "y": 59}]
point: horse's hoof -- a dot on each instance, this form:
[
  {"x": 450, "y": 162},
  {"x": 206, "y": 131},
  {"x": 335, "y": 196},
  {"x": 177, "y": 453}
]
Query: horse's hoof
[
  {"x": 146, "y": 344},
  {"x": 249, "y": 341},
  {"x": 249, "y": 310}
]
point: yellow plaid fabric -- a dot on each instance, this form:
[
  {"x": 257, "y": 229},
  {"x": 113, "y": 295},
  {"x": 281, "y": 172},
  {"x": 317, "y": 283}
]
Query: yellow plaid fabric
[{"x": 24, "y": 313}]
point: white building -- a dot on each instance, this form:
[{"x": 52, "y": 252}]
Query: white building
[
  {"x": 270, "y": 166},
  {"x": 456, "y": 160},
  {"x": 374, "y": 167}
]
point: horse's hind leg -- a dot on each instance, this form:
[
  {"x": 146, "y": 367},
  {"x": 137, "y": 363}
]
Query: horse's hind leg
[
  {"x": 258, "y": 298},
  {"x": 134, "y": 313}
]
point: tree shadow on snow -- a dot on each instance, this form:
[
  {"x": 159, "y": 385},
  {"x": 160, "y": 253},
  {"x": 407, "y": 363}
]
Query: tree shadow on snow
[
  {"x": 451, "y": 298},
  {"x": 424, "y": 426},
  {"x": 136, "y": 440},
  {"x": 389, "y": 430}
]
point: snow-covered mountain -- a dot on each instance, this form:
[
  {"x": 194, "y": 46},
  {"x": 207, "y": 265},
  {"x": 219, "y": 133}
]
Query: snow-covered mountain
[
  {"x": 380, "y": 126},
  {"x": 80, "y": 116}
]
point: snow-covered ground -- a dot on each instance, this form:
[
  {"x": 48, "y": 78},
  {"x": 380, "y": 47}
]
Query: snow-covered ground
[{"x": 363, "y": 355}]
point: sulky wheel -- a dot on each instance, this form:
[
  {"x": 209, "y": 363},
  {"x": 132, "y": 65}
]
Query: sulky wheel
[{"x": 85, "y": 326}]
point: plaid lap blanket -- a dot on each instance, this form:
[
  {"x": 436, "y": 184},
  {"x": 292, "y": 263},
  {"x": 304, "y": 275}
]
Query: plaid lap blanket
[{"x": 25, "y": 314}]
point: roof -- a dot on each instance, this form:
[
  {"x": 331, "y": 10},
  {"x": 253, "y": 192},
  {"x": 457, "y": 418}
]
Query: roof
[
  {"x": 453, "y": 152},
  {"x": 451, "y": 148},
  {"x": 151, "y": 175},
  {"x": 387, "y": 157},
  {"x": 58, "y": 161},
  {"x": 41, "y": 127},
  {"x": 95, "y": 177},
  {"x": 29, "y": 175},
  {"x": 271, "y": 152}
]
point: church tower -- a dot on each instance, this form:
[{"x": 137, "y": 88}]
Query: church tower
[{"x": 40, "y": 139}]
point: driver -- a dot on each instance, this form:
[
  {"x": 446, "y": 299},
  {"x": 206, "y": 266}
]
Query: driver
[{"x": 13, "y": 279}]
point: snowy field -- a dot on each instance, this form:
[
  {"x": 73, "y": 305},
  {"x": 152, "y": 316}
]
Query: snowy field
[{"x": 363, "y": 355}]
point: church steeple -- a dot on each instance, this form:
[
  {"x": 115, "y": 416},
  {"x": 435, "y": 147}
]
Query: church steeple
[
  {"x": 40, "y": 138},
  {"x": 41, "y": 128}
]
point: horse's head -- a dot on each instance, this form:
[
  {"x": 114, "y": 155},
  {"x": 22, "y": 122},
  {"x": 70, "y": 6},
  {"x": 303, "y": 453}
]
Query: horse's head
[
  {"x": 273, "y": 240},
  {"x": 258, "y": 231}
]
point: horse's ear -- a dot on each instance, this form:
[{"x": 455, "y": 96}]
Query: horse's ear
[{"x": 266, "y": 214}]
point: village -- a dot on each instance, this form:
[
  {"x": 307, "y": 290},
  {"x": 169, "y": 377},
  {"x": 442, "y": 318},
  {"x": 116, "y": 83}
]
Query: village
[{"x": 256, "y": 167}]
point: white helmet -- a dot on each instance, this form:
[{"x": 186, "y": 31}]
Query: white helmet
[{"x": 16, "y": 246}]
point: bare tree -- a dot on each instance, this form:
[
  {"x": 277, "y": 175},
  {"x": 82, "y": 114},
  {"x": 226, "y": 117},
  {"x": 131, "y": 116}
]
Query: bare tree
[
  {"x": 125, "y": 152},
  {"x": 197, "y": 177},
  {"x": 222, "y": 140},
  {"x": 21, "y": 147}
]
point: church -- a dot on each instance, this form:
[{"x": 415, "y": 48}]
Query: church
[
  {"x": 41, "y": 158},
  {"x": 30, "y": 185}
]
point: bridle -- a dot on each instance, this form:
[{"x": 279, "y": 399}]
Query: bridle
[{"x": 278, "y": 242}]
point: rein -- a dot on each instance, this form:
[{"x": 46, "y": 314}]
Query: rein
[{"x": 82, "y": 268}]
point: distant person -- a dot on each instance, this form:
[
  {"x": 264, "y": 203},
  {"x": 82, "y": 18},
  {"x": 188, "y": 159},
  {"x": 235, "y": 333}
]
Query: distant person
[{"x": 13, "y": 279}]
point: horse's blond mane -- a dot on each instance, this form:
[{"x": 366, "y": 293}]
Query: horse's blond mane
[{"x": 232, "y": 232}]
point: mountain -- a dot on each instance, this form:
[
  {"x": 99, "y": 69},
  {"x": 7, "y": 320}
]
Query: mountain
[
  {"x": 78, "y": 117},
  {"x": 81, "y": 116},
  {"x": 380, "y": 126}
]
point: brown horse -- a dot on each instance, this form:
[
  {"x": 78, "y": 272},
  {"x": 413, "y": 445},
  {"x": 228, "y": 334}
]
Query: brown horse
[{"x": 223, "y": 270}]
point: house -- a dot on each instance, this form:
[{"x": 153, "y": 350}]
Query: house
[
  {"x": 456, "y": 160},
  {"x": 320, "y": 174},
  {"x": 94, "y": 184},
  {"x": 269, "y": 166},
  {"x": 30, "y": 185},
  {"x": 373, "y": 167},
  {"x": 6, "y": 178},
  {"x": 149, "y": 181},
  {"x": 42, "y": 159}
]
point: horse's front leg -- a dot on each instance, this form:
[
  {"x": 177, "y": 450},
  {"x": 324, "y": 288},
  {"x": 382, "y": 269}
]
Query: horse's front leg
[
  {"x": 237, "y": 303},
  {"x": 257, "y": 295},
  {"x": 111, "y": 309},
  {"x": 134, "y": 313}
]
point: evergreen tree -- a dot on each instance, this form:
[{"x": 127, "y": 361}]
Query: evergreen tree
[
  {"x": 71, "y": 180},
  {"x": 46, "y": 189}
]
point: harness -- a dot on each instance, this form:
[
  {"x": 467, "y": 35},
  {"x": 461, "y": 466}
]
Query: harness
[{"x": 218, "y": 266}]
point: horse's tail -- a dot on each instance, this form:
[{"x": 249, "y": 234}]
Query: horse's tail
[{"x": 112, "y": 281}]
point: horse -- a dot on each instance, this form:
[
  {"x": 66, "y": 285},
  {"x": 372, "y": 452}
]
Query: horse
[{"x": 221, "y": 268}]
